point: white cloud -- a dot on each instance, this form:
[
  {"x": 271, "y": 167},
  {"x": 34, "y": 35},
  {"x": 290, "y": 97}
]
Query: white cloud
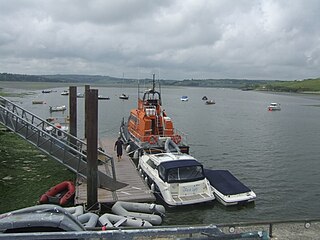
[{"x": 262, "y": 39}]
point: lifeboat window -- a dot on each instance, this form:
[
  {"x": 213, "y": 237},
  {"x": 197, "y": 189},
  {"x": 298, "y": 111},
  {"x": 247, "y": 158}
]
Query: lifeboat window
[{"x": 151, "y": 164}]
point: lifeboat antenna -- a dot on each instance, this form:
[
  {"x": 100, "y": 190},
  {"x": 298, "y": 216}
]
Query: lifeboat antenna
[{"x": 153, "y": 82}]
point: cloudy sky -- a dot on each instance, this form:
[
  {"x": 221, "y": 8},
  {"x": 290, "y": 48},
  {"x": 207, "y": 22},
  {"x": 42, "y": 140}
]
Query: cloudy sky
[{"x": 176, "y": 39}]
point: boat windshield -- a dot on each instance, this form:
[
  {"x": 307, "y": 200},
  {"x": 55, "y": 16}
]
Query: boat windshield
[{"x": 184, "y": 173}]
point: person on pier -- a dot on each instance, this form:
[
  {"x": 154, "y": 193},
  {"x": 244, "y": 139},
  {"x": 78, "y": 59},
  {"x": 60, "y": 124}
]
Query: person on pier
[{"x": 118, "y": 146}]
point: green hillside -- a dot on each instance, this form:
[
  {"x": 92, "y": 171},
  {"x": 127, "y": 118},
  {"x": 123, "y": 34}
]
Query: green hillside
[{"x": 307, "y": 85}]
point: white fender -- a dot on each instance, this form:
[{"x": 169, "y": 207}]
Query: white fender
[
  {"x": 111, "y": 220},
  {"x": 88, "y": 219},
  {"x": 75, "y": 211},
  {"x": 128, "y": 148},
  {"x": 152, "y": 187},
  {"x": 136, "y": 154},
  {"x": 140, "y": 210}
]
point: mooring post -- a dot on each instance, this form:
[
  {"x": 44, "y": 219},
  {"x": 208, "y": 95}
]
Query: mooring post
[
  {"x": 73, "y": 114},
  {"x": 86, "y": 105},
  {"x": 91, "y": 117}
]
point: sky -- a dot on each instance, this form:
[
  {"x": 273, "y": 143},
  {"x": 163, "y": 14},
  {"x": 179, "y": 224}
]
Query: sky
[{"x": 175, "y": 39}]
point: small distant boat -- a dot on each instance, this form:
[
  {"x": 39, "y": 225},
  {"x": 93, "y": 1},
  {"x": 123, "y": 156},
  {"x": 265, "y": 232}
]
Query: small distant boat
[
  {"x": 65, "y": 93},
  {"x": 57, "y": 108},
  {"x": 46, "y": 91},
  {"x": 208, "y": 102},
  {"x": 124, "y": 96},
  {"x": 204, "y": 98},
  {"x": 62, "y": 194},
  {"x": 37, "y": 102},
  {"x": 184, "y": 98},
  {"x": 80, "y": 95},
  {"x": 274, "y": 107},
  {"x": 100, "y": 97}
]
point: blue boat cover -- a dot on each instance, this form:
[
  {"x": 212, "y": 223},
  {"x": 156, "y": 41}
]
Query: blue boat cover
[{"x": 225, "y": 182}]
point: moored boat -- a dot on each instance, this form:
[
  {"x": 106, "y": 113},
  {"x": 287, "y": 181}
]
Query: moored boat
[
  {"x": 274, "y": 107},
  {"x": 148, "y": 127},
  {"x": 177, "y": 178},
  {"x": 46, "y": 91},
  {"x": 124, "y": 96},
  {"x": 100, "y": 97},
  {"x": 184, "y": 98},
  {"x": 228, "y": 190},
  {"x": 210, "y": 102},
  {"x": 37, "y": 102},
  {"x": 65, "y": 93},
  {"x": 57, "y": 108}
]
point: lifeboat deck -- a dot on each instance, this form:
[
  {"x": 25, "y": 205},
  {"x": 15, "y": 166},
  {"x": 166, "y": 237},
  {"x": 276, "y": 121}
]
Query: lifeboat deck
[{"x": 126, "y": 172}]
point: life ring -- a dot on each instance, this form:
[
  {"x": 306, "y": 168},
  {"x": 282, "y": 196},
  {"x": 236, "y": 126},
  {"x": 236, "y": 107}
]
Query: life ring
[
  {"x": 176, "y": 139},
  {"x": 59, "y": 188},
  {"x": 152, "y": 139}
]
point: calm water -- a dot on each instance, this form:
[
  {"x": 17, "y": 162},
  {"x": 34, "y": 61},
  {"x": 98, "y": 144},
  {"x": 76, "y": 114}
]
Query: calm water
[{"x": 276, "y": 154}]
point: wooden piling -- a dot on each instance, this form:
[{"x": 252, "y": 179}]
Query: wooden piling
[
  {"x": 91, "y": 116},
  {"x": 86, "y": 105},
  {"x": 73, "y": 113}
]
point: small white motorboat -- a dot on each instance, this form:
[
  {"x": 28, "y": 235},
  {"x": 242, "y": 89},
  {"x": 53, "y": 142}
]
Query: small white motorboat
[
  {"x": 58, "y": 108},
  {"x": 184, "y": 98},
  {"x": 124, "y": 96},
  {"x": 228, "y": 189},
  {"x": 65, "y": 93},
  {"x": 210, "y": 102},
  {"x": 274, "y": 107},
  {"x": 100, "y": 97},
  {"x": 177, "y": 178},
  {"x": 80, "y": 95}
]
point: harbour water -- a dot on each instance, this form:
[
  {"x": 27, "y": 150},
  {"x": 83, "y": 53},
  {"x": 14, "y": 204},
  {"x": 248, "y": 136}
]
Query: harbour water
[{"x": 276, "y": 154}]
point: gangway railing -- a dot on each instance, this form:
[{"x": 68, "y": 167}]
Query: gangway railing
[{"x": 62, "y": 146}]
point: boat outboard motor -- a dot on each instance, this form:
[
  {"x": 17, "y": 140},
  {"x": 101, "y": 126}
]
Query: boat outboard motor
[{"x": 170, "y": 146}]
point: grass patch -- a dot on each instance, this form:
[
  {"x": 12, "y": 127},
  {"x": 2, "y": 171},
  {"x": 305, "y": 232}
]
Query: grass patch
[{"x": 25, "y": 173}]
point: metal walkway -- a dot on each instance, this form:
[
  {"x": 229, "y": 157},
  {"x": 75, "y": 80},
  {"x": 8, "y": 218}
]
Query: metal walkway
[{"x": 56, "y": 143}]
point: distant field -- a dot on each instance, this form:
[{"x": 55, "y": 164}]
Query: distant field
[
  {"x": 33, "y": 85},
  {"x": 309, "y": 85}
]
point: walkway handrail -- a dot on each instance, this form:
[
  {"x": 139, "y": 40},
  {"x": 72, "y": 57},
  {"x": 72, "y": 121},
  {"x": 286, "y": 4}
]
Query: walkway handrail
[{"x": 17, "y": 118}]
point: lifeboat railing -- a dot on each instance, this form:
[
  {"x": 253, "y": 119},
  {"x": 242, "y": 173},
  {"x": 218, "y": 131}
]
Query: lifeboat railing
[
  {"x": 184, "y": 136},
  {"x": 59, "y": 144}
]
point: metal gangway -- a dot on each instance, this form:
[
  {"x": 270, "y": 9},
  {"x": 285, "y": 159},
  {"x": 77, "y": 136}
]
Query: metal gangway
[{"x": 60, "y": 145}]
